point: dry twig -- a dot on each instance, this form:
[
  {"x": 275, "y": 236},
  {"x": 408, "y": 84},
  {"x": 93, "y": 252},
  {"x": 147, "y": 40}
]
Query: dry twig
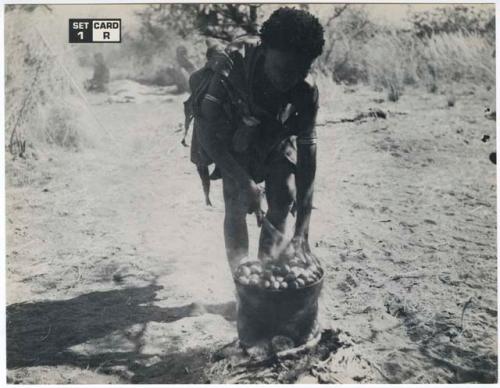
[{"x": 466, "y": 304}]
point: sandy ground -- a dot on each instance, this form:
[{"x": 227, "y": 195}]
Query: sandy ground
[{"x": 116, "y": 270}]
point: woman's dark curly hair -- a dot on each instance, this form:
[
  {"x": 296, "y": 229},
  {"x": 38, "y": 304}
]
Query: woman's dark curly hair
[{"x": 296, "y": 30}]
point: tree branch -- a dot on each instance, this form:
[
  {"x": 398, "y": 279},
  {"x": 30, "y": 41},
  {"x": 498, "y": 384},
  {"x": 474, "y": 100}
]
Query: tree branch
[{"x": 336, "y": 14}]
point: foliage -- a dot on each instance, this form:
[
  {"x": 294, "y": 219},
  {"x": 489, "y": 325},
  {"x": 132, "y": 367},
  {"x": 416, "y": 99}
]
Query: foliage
[
  {"x": 42, "y": 107},
  {"x": 221, "y": 21},
  {"x": 459, "y": 49},
  {"x": 347, "y": 28},
  {"x": 452, "y": 19},
  {"x": 26, "y": 7},
  {"x": 164, "y": 27}
]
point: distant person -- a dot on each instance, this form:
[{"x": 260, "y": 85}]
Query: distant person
[
  {"x": 183, "y": 60},
  {"x": 99, "y": 81},
  {"x": 173, "y": 75},
  {"x": 183, "y": 69}
]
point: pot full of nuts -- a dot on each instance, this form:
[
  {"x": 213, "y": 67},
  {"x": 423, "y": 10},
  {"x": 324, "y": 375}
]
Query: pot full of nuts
[{"x": 278, "y": 298}]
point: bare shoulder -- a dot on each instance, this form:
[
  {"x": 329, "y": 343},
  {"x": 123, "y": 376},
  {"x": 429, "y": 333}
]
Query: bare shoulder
[
  {"x": 312, "y": 87},
  {"x": 306, "y": 92}
]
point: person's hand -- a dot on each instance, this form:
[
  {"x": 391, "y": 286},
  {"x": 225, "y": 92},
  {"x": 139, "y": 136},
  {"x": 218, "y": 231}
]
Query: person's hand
[
  {"x": 253, "y": 200},
  {"x": 302, "y": 250},
  {"x": 297, "y": 246}
]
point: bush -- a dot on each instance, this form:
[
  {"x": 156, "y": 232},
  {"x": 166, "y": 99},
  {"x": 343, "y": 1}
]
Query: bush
[
  {"x": 347, "y": 29},
  {"x": 449, "y": 57},
  {"x": 452, "y": 19},
  {"x": 41, "y": 105},
  {"x": 359, "y": 51},
  {"x": 459, "y": 47},
  {"x": 61, "y": 128},
  {"x": 451, "y": 100},
  {"x": 395, "y": 91}
]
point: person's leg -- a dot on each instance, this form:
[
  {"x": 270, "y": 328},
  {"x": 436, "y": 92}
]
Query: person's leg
[
  {"x": 235, "y": 225},
  {"x": 280, "y": 195}
]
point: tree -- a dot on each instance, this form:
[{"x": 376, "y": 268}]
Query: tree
[
  {"x": 221, "y": 21},
  {"x": 454, "y": 18}
]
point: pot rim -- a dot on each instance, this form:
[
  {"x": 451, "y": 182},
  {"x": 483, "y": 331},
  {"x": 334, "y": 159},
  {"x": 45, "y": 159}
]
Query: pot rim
[{"x": 249, "y": 286}]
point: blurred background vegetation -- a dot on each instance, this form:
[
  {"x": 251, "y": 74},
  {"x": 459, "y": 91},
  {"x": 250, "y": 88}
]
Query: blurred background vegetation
[
  {"x": 432, "y": 48},
  {"x": 448, "y": 44}
]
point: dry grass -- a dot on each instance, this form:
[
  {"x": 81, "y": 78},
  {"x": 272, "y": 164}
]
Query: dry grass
[
  {"x": 43, "y": 107},
  {"x": 451, "y": 99},
  {"x": 393, "y": 60},
  {"x": 460, "y": 56}
]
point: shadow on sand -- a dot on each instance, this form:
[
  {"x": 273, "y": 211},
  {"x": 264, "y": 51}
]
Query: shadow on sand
[{"x": 41, "y": 333}]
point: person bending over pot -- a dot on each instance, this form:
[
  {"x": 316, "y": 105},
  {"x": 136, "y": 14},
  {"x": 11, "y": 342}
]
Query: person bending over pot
[{"x": 256, "y": 121}]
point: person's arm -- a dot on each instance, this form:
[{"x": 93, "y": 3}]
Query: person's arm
[
  {"x": 216, "y": 137},
  {"x": 306, "y": 165},
  {"x": 306, "y": 171}
]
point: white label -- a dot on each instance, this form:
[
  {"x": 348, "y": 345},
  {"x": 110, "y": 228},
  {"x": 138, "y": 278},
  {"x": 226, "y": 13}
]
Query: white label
[{"x": 106, "y": 30}]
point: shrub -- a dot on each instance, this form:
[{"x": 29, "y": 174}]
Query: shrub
[
  {"x": 394, "y": 92},
  {"x": 459, "y": 48},
  {"x": 453, "y": 18},
  {"x": 347, "y": 29},
  {"x": 451, "y": 100},
  {"x": 41, "y": 105}
]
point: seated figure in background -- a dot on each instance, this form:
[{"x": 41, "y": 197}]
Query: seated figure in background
[
  {"x": 99, "y": 81},
  {"x": 183, "y": 60},
  {"x": 175, "y": 74}
]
